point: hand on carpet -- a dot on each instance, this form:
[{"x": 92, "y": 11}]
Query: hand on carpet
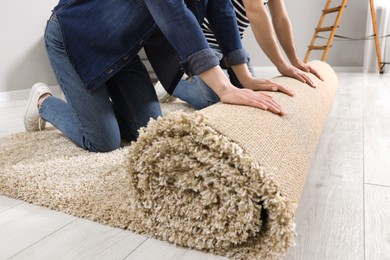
[
  {"x": 251, "y": 98},
  {"x": 307, "y": 68},
  {"x": 257, "y": 84},
  {"x": 299, "y": 74}
]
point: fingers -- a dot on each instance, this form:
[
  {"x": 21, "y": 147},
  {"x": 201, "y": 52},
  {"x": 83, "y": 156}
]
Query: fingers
[
  {"x": 251, "y": 98},
  {"x": 299, "y": 76},
  {"x": 274, "y": 107},
  {"x": 265, "y": 94},
  {"x": 268, "y": 103},
  {"x": 307, "y": 79},
  {"x": 277, "y": 87},
  {"x": 309, "y": 69},
  {"x": 298, "y": 73},
  {"x": 315, "y": 73},
  {"x": 268, "y": 85}
]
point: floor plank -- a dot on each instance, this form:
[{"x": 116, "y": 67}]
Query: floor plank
[
  {"x": 162, "y": 250},
  {"x": 8, "y": 203},
  {"x": 377, "y": 222},
  {"x": 84, "y": 239},
  {"x": 349, "y": 96},
  {"x": 26, "y": 224},
  {"x": 377, "y": 131}
]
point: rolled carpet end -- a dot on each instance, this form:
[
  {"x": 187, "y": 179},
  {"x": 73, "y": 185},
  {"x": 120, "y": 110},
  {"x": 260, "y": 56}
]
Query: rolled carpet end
[{"x": 194, "y": 187}]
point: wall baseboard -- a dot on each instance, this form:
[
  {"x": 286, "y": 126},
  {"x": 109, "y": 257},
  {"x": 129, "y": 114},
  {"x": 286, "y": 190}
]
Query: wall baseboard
[
  {"x": 24, "y": 94},
  {"x": 357, "y": 69},
  {"x": 261, "y": 71}
]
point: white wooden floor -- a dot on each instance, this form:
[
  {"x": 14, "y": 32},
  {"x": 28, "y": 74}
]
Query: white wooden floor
[{"x": 344, "y": 212}]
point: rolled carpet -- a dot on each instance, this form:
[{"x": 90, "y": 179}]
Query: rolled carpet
[{"x": 226, "y": 179}]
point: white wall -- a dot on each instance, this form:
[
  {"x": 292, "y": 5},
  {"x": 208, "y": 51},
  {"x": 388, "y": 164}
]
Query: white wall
[
  {"x": 24, "y": 60},
  {"x": 304, "y": 15}
]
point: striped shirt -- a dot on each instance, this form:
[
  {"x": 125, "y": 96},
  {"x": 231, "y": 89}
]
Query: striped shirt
[{"x": 242, "y": 22}]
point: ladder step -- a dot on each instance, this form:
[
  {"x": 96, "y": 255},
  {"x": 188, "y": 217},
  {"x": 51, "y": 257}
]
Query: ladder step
[
  {"x": 331, "y": 10},
  {"x": 324, "y": 29},
  {"x": 318, "y": 47}
]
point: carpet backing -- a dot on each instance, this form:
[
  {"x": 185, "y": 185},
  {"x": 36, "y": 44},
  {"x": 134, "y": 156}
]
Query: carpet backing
[{"x": 226, "y": 179}]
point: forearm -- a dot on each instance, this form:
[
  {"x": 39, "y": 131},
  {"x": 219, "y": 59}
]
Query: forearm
[
  {"x": 263, "y": 31},
  {"x": 283, "y": 29},
  {"x": 216, "y": 79},
  {"x": 242, "y": 73},
  {"x": 286, "y": 39}
]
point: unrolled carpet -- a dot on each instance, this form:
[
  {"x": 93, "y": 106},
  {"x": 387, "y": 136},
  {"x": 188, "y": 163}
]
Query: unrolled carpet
[{"x": 226, "y": 179}]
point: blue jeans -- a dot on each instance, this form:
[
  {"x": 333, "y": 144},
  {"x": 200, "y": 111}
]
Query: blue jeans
[
  {"x": 196, "y": 92},
  {"x": 98, "y": 120}
]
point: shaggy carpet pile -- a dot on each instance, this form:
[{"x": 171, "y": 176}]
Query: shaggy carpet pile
[{"x": 226, "y": 179}]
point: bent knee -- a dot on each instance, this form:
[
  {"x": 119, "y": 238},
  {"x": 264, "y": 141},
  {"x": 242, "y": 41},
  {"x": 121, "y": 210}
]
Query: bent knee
[{"x": 103, "y": 145}]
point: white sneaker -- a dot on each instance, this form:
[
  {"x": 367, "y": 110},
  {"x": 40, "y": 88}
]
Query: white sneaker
[
  {"x": 162, "y": 95},
  {"x": 32, "y": 120}
]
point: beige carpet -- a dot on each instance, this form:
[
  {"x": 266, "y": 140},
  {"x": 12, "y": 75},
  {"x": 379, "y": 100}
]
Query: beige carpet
[{"x": 225, "y": 180}]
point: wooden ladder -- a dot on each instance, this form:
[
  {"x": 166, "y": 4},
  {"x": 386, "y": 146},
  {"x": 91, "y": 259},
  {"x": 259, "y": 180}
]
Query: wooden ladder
[{"x": 332, "y": 29}]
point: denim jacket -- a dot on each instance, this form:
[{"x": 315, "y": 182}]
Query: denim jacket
[{"x": 100, "y": 37}]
